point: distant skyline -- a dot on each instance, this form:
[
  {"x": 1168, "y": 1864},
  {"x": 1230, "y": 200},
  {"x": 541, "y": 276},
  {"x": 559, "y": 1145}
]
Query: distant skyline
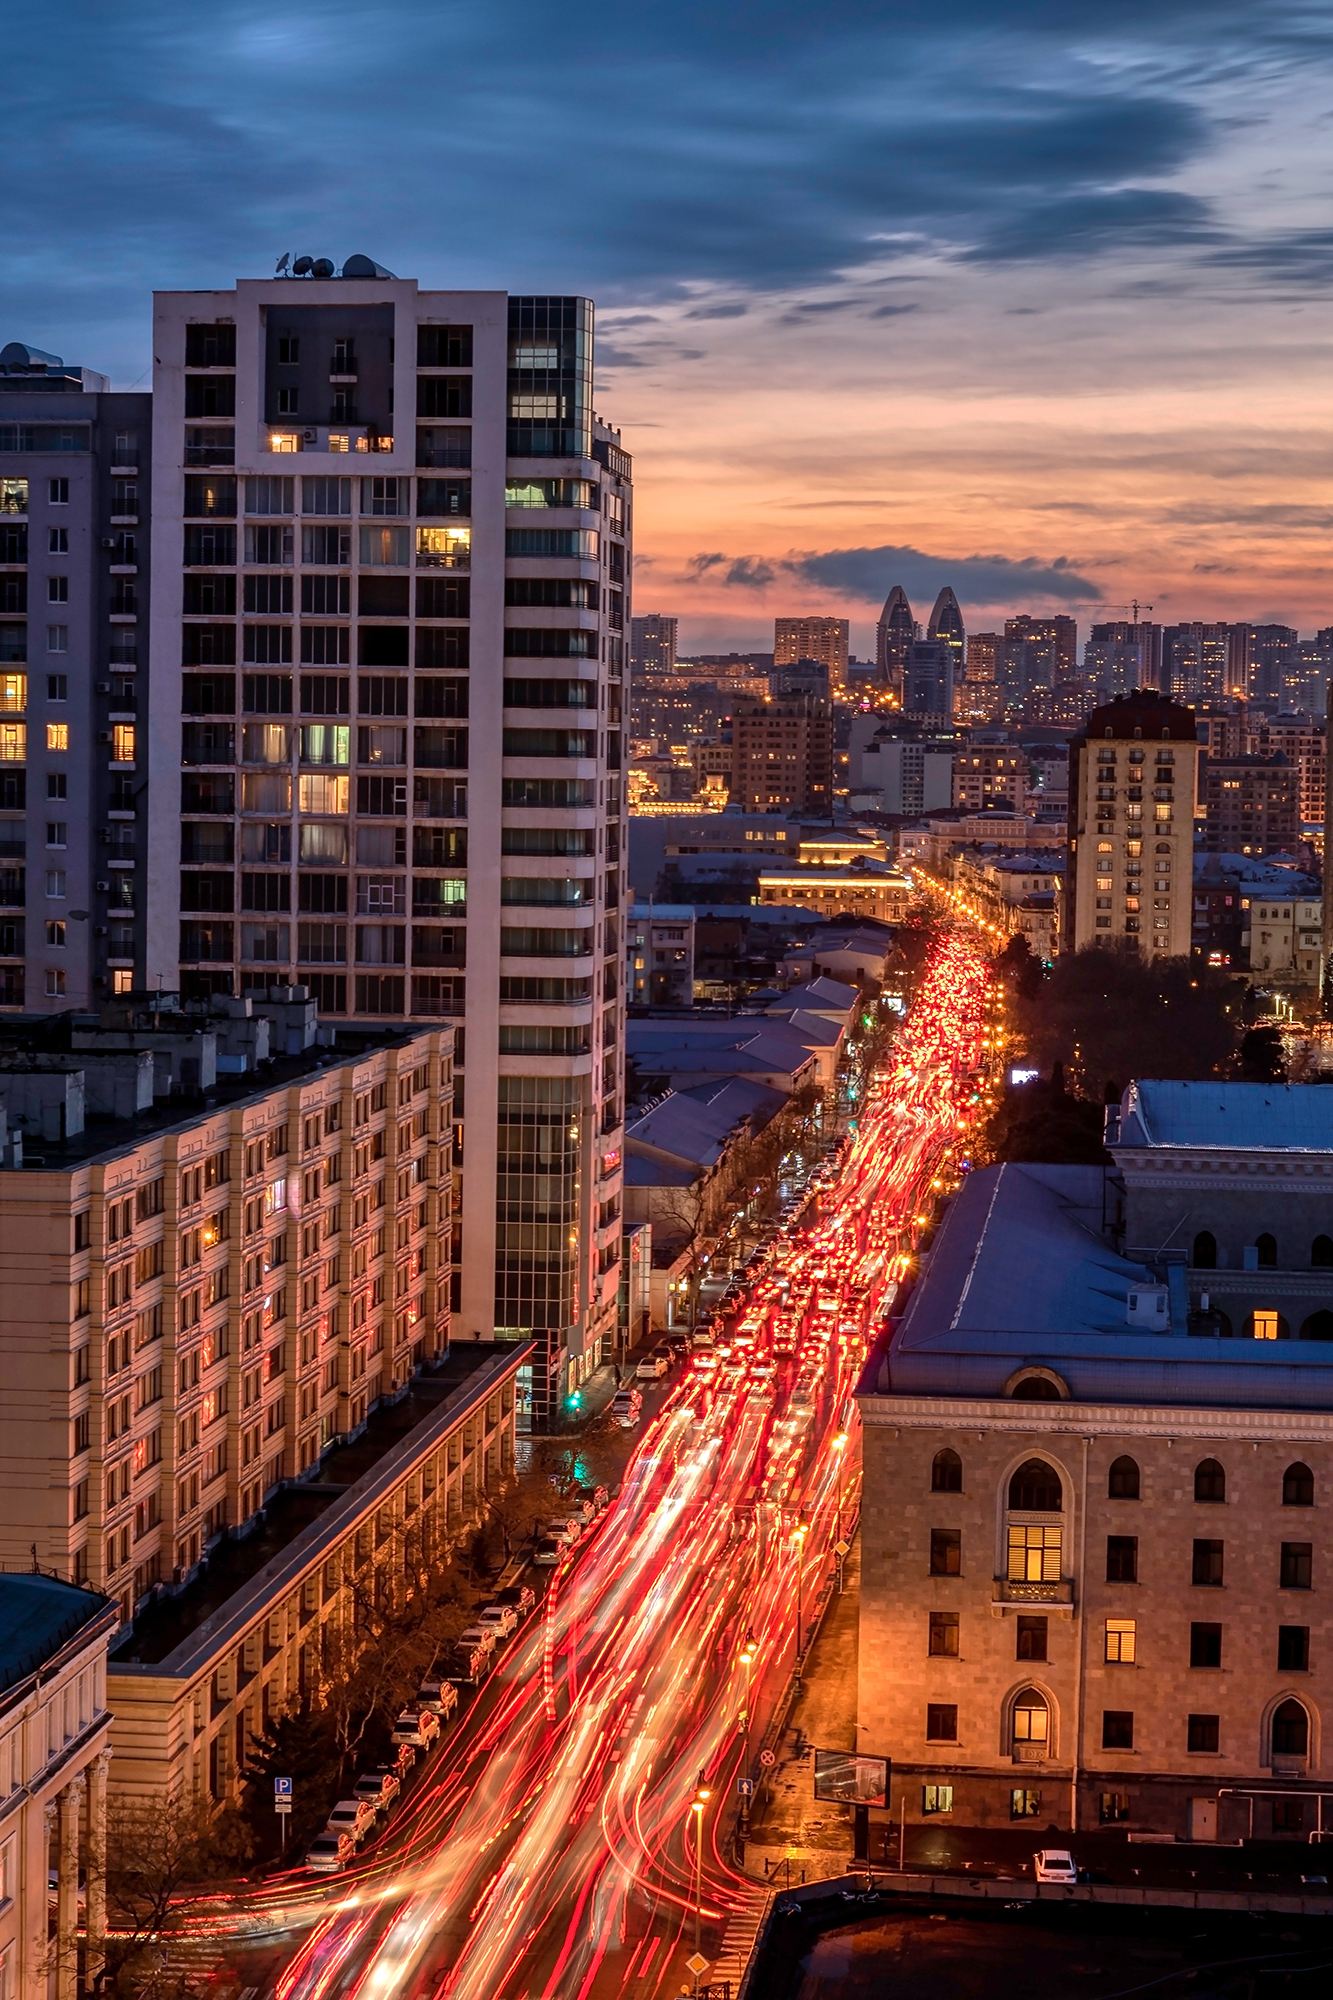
[{"x": 1017, "y": 298}]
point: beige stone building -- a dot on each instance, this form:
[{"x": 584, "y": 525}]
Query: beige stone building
[
  {"x": 53, "y": 1784},
  {"x": 1093, "y": 1579},
  {"x": 217, "y": 1260},
  {"x": 275, "y": 1617},
  {"x": 1133, "y": 781},
  {"x": 857, "y": 889}
]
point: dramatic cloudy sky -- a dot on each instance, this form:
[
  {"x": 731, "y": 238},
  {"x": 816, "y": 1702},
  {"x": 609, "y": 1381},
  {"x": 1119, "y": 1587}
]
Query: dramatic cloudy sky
[{"x": 1029, "y": 298}]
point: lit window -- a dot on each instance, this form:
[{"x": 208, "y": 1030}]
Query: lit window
[
  {"x": 13, "y": 693},
  {"x": 57, "y": 736},
  {"x": 937, "y": 1798},
  {"x": 122, "y": 981},
  {"x": 284, "y": 441},
  {"x": 1120, "y": 1640},
  {"x": 1265, "y": 1324},
  {"x": 122, "y": 742},
  {"x": 444, "y": 548},
  {"x": 1034, "y": 1555},
  {"x": 338, "y": 440}
]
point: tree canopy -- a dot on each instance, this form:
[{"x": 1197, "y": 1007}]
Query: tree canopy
[{"x": 1107, "y": 1014}]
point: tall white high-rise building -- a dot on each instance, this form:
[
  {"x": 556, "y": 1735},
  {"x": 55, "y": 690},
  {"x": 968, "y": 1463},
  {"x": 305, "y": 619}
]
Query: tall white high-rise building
[{"x": 386, "y": 735}]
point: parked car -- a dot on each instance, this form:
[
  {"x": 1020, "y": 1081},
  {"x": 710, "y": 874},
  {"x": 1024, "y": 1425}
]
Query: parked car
[
  {"x": 521, "y": 1596},
  {"x": 548, "y": 1552},
  {"x": 599, "y": 1496},
  {"x": 652, "y": 1367},
  {"x": 626, "y": 1408},
  {"x": 354, "y": 1816},
  {"x": 440, "y": 1696},
  {"x": 328, "y": 1853},
  {"x": 502, "y": 1619},
  {"x": 381, "y": 1786},
  {"x": 470, "y": 1660},
  {"x": 679, "y": 1343},
  {"x": 417, "y": 1726},
  {"x": 478, "y": 1635},
  {"x": 1055, "y": 1864}
]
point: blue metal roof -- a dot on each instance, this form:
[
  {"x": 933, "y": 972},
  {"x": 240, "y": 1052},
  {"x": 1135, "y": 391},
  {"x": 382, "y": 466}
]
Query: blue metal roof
[
  {"x": 39, "y": 1615},
  {"x": 1265, "y": 1117}
]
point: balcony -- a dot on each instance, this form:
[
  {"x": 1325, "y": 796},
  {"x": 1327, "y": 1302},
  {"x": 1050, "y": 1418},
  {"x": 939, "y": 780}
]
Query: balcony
[{"x": 1012, "y": 1595}]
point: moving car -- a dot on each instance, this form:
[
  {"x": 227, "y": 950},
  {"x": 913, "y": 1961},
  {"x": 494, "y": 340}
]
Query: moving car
[
  {"x": 330, "y": 1852},
  {"x": 1055, "y": 1864},
  {"x": 626, "y": 1408}
]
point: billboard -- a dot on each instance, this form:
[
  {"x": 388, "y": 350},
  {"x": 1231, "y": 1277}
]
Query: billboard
[{"x": 846, "y": 1779}]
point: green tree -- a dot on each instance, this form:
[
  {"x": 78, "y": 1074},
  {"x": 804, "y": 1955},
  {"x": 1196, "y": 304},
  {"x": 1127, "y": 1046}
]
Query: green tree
[
  {"x": 300, "y": 1745},
  {"x": 1108, "y": 1014},
  {"x": 1043, "y": 1121}
]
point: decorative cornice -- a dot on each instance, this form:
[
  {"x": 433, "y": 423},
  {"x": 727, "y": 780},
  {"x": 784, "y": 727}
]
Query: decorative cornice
[{"x": 919, "y": 1413}]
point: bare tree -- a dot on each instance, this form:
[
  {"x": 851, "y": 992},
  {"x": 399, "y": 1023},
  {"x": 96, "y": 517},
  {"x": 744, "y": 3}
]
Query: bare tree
[{"x": 160, "y": 1853}]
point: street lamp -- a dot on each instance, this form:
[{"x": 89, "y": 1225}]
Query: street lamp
[
  {"x": 801, "y": 1532},
  {"x": 840, "y": 1446},
  {"x": 748, "y": 1655},
  {"x": 697, "y": 1808}
]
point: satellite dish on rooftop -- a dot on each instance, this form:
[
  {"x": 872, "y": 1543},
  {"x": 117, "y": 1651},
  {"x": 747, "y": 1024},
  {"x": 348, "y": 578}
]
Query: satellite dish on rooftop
[
  {"x": 303, "y": 267},
  {"x": 364, "y": 267},
  {"x": 322, "y": 267}
]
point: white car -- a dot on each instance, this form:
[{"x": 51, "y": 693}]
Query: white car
[
  {"x": 627, "y": 1408},
  {"x": 1055, "y": 1864},
  {"x": 481, "y": 1636},
  {"x": 354, "y": 1816},
  {"x": 501, "y": 1618},
  {"x": 327, "y": 1854},
  {"x": 652, "y": 1368}
]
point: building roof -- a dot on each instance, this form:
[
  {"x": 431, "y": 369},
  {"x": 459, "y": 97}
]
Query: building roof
[
  {"x": 1250, "y": 1117},
  {"x": 1022, "y": 1275},
  {"x": 39, "y": 1615},
  {"x": 821, "y": 995},
  {"x": 1144, "y": 713},
  {"x": 661, "y": 913},
  {"x": 694, "y": 1125}
]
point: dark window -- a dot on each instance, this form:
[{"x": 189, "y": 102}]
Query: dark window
[
  {"x": 208, "y": 645},
  {"x": 210, "y": 596},
  {"x": 266, "y": 694},
  {"x": 1035, "y": 1489},
  {"x": 944, "y": 1634},
  {"x": 1298, "y": 1486},
  {"x": 1122, "y": 1558},
  {"x": 267, "y": 645},
  {"x": 1117, "y": 1729},
  {"x": 1210, "y": 1482},
  {"x": 210, "y": 499},
  {"x": 208, "y": 792},
  {"x": 1204, "y": 1255},
  {"x": 266, "y": 892},
  {"x": 946, "y": 1473},
  {"x": 1296, "y": 1565},
  {"x": 1291, "y": 1730},
  {"x": 946, "y": 1552},
  {"x": 1293, "y": 1649},
  {"x": 326, "y": 596},
  {"x": 1288, "y": 1815},
  {"x": 324, "y": 694},
  {"x": 445, "y": 446},
  {"x": 438, "y": 497},
  {"x": 381, "y": 646},
  {"x": 383, "y": 596},
  {"x": 207, "y": 891},
  {"x": 1321, "y": 1252},
  {"x": 1113, "y": 1806},
  {"x": 208, "y": 694},
  {"x": 444, "y": 596},
  {"x": 444, "y": 396},
  {"x": 381, "y": 694},
  {"x": 443, "y": 646},
  {"x": 1123, "y": 1482},
  {"x": 325, "y": 646},
  {"x": 1266, "y": 1246},
  {"x": 382, "y": 798},
  {"x": 210, "y": 395},
  {"x": 322, "y": 893},
  {"x": 941, "y": 1722},
  {"x": 1207, "y": 1568},
  {"x": 437, "y": 695},
  {"x": 210, "y": 346},
  {"x": 1036, "y": 1389},
  {"x": 379, "y": 993},
  {"x": 1319, "y": 1326},
  {"x": 444, "y": 347},
  {"x": 271, "y": 595},
  {"x": 1202, "y": 1733},
  {"x": 1031, "y": 1639},
  {"x": 1205, "y": 1645}
]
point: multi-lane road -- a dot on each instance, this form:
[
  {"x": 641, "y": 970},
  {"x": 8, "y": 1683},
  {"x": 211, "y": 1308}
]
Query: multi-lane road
[{"x": 549, "y": 1853}]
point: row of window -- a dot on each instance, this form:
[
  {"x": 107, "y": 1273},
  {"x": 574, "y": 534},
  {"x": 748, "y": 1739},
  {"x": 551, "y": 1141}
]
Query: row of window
[
  {"x": 1030, "y": 1727},
  {"x": 1036, "y": 1487},
  {"x": 1292, "y": 1814},
  {"x": 1120, "y": 1641},
  {"x": 1034, "y": 1555},
  {"x": 1203, "y": 1254}
]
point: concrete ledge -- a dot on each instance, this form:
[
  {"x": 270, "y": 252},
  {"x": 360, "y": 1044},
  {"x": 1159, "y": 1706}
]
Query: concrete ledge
[{"x": 1001, "y": 1889}]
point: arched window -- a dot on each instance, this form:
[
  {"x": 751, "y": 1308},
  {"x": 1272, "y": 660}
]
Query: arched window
[
  {"x": 1291, "y": 1730},
  {"x": 1267, "y": 1249},
  {"x": 946, "y": 1473},
  {"x": 1210, "y": 1482},
  {"x": 1035, "y": 1488},
  {"x": 1036, "y": 1389},
  {"x": 1267, "y": 1323},
  {"x": 1298, "y": 1486},
  {"x": 1032, "y": 1719},
  {"x": 1319, "y": 1326},
  {"x": 1123, "y": 1483},
  {"x": 1321, "y": 1252},
  {"x": 1204, "y": 1255}
]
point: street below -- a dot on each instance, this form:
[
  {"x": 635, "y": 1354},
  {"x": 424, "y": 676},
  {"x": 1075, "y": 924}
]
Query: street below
[{"x": 575, "y": 1831}]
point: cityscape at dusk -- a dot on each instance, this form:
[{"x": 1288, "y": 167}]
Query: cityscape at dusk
[{"x": 666, "y": 1001}]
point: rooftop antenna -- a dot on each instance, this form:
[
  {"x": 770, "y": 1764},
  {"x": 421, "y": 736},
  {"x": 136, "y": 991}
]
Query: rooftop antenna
[{"x": 283, "y": 262}]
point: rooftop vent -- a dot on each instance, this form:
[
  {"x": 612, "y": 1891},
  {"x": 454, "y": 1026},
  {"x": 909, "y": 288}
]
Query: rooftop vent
[{"x": 1147, "y": 1305}]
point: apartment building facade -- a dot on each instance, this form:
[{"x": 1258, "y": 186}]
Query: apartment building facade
[
  {"x": 1251, "y": 805},
  {"x": 823, "y": 639},
  {"x": 75, "y": 483},
  {"x": 1132, "y": 784},
  {"x": 782, "y": 755},
  {"x": 391, "y": 598},
  {"x": 202, "y": 1301}
]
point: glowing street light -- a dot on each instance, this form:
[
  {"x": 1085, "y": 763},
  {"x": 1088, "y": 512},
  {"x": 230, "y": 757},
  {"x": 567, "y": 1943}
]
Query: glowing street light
[{"x": 697, "y": 1804}]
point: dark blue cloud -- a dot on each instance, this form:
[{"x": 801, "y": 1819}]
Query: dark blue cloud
[
  {"x": 631, "y": 152},
  {"x": 869, "y": 574}
]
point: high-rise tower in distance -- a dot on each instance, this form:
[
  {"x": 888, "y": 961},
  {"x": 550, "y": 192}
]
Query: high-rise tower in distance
[
  {"x": 894, "y": 633},
  {"x": 946, "y": 622},
  {"x": 823, "y": 639},
  {"x": 385, "y": 748},
  {"x": 1133, "y": 779},
  {"x": 653, "y": 643}
]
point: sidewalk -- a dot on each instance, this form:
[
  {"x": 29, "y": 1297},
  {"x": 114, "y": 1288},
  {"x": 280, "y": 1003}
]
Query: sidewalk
[{"x": 790, "y": 1830}]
